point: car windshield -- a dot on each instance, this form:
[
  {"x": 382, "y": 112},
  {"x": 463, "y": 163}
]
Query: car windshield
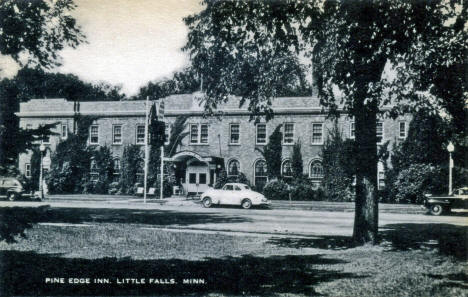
[{"x": 247, "y": 187}]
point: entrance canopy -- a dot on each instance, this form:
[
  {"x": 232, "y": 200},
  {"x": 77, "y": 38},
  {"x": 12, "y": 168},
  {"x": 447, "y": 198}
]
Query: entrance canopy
[{"x": 184, "y": 156}]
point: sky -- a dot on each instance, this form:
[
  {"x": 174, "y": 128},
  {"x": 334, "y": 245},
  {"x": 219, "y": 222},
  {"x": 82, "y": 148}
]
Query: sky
[{"x": 129, "y": 42}]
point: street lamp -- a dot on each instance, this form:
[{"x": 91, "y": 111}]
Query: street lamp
[
  {"x": 41, "y": 189},
  {"x": 450, "y": 149}
]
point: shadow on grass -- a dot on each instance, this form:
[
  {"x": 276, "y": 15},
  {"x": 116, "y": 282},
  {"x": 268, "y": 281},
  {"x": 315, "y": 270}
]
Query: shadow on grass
[
  {"x": 25, "y": 273},
  {"x": 450, "y": 240},
  {"x": 14, "y": 220},
  {"x": 454, "y": 280}
]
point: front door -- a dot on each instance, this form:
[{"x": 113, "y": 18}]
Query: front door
[{"x": 197, "y": 178}]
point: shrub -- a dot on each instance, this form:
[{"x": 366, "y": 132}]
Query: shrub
[
  {"x": 276, "y": 190},
  {"x": 303, "y": 191},
  {"x": 223, "y": 179},
  {"x": 411, "y": 183}
]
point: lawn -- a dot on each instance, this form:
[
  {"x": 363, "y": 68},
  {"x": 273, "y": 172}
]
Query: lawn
[{"x": 412, "y": 260}]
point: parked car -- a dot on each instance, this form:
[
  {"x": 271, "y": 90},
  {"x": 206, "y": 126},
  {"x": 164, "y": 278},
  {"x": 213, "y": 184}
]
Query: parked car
[
  {"x": 438, "y": 205},
  {"x": 233, "y": 194},
  {"x": 10, "y": 188}
]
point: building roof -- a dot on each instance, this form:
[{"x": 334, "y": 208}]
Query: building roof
[{"x": 174, "y": 104}]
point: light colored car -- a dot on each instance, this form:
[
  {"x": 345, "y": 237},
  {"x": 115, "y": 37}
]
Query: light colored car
[{"x": 233, "y": 194}]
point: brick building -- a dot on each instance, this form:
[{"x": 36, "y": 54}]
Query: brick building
[{"x": 212, "y": 142}]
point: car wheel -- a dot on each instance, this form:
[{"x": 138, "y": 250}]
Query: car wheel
[
  {"x": 436, "y": 209},
  {"x": 12, "y": 196},
  {"x": 246, "y": 203},
  {"x": 207, "y": 202}
]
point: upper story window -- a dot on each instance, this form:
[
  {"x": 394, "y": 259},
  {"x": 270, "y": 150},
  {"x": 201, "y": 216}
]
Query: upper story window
[
  {"x": 233, "y": 167},
  {"x": 234, "y": 134},
  {"x": 261, "y": 134},
  {"x": 286, "y": 169},
  {"x": 64, "y": 132},
  {"x": 140, "y": 134},
  {"x": 402, "y": 130},
  {"x": 317, "y": 133},
  {"x": 288, "y": 135},
  {"x": 94, "y": 134},
  {"x": 117, "y": 134},
  {"x": 198, "y": 133},
  {"x": 352, "y": 130},
  {"x": 380, "y": 132}
]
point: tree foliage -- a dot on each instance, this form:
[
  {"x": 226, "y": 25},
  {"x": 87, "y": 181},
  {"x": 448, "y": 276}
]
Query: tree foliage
[
  {"x": 35, "y": 83},
  {"x": 296, "y": 161},
  {"x": 131, "y": 166},
  {"x": 33, "y": 32},
  {"x": 338, "y": 166},
  {"x": 247, "y": 47},
  {"x": 272, "y": 152}
]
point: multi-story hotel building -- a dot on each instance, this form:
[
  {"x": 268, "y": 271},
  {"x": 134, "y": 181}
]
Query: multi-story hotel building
[{"x": 228, "y": 140}]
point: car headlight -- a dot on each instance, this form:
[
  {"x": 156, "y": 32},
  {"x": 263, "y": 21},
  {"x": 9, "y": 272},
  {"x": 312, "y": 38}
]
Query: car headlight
[{"x": 264, "y": 199}]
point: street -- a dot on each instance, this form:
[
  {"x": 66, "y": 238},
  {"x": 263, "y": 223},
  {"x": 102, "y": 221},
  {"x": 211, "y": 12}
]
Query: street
[{"x": 277, "y": 220}]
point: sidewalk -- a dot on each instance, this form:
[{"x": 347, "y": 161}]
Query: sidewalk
[{"x": 276, "y": 204}]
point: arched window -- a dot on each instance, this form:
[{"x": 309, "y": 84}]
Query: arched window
[
  {"x": 286, "y": 169},
  {"x": 316, "y": 170},
  {"x": 260, "y": 174},
  {"x": 233, "y": 167}
]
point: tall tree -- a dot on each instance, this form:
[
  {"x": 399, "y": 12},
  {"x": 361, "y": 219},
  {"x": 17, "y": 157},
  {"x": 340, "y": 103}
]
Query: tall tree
[
  {"x": 296, "y": 161},
  {"x": 272, "y": 153},
  {"x": 33, "y": 32},
  {"x": 246, "y": 46}
]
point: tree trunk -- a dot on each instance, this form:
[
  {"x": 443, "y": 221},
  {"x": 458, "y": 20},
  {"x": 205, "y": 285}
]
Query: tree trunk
[{"x": 366, "y": 209}]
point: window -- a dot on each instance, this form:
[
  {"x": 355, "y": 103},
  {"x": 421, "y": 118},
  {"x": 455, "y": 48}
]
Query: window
[
  {"x": 64, "y": 132},
  {"x": 192, "y": 178},
  {"x": 316, "y": 170},
  {"x": 117, "y": 134},
  {"x": 352, "y": 130},
  {"x": 380, "y": 175},
  {"x": 140, "y": 134},
  {"x": 202, "y": 178},
  {"x": 380, "y": 132},
  {"x": 233, "y": 167},
  {"x": 236, "y": 188},
  {"x": 194, "y": 133},
  {"x": 402, "y": 130},
  {"x": 260, "y": 174},
  {"x": 286, "y": 169},
  {"x": 204, "y": 133},
  {"x": 94, "y": 134},
  {"x": 317, "y": 133},
  {"x": 27, "y": 170},
  {"x": 198, "y": 133},
  {"x": 261, "y": 134},
  {"x": 229, "y": 188},
  {"x": 288, "y": 135},
  {"x": 234, "y": 134}
]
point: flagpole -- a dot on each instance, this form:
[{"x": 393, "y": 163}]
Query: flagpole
[{"x": 146, "y": 150}]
